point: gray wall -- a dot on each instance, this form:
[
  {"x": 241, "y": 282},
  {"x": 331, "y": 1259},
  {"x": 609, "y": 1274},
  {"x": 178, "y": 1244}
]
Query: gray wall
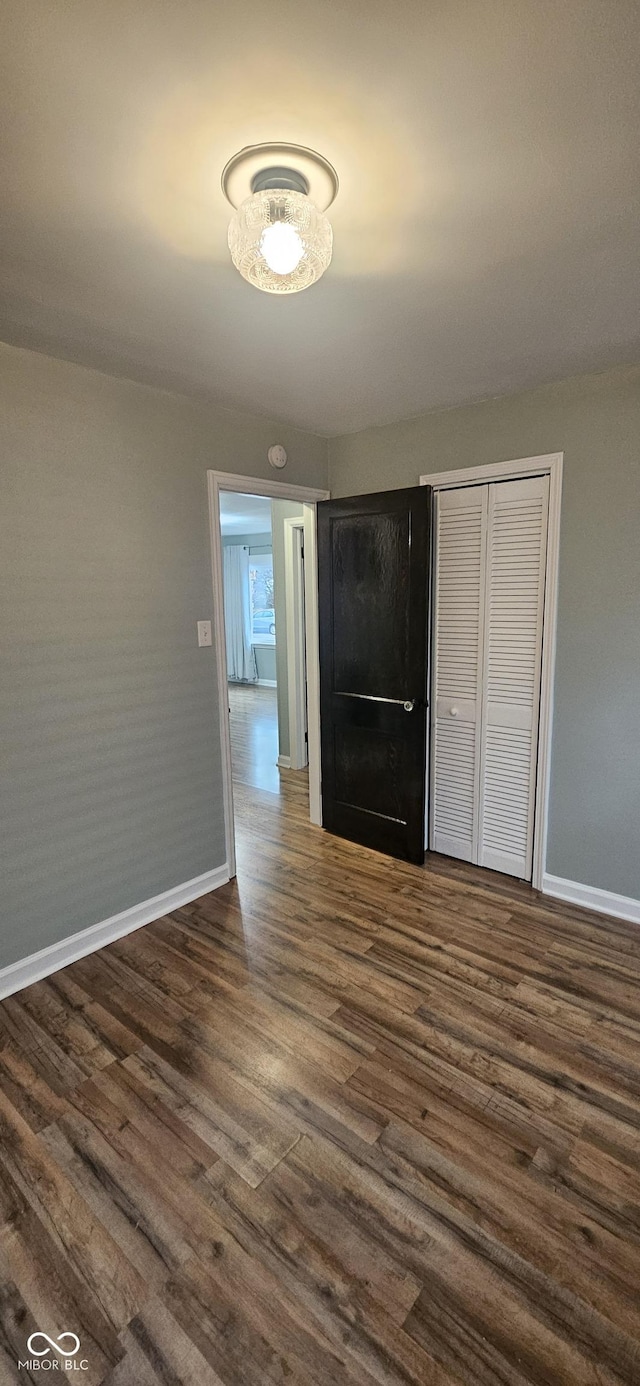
[
  {"x": 265, "y": 654},
  {"x": 281, "y": 511},
  {"x": 252, "y": 541},
  {"x": 111, "y": 759},
  {"x": 594, "y": 830}
]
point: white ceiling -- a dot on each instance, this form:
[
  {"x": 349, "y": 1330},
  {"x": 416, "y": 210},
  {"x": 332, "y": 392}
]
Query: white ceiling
[
  {"x": 487, "y": 228},
  {"x": 240, "y": 514}
]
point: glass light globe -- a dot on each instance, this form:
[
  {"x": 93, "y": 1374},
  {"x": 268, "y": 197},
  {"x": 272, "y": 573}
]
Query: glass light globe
[{"x": 279, "y": 241}]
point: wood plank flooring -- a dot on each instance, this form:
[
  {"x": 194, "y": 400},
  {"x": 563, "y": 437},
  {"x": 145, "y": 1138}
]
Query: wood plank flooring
[
  {"x": 254, "y": 736},
  {"x": 343, "y": 1122}
]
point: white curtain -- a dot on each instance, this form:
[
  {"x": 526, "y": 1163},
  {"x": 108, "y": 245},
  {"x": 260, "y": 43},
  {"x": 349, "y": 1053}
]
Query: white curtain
[{"x": 241, "y": 660}]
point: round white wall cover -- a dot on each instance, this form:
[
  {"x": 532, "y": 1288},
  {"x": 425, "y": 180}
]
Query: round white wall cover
[{"x": 277, "y": 455}]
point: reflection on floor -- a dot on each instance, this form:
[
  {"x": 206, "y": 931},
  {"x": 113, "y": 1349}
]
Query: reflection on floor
[{"x": 254, "y": 736}]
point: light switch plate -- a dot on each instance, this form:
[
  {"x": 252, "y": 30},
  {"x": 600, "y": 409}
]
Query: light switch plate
[{"x": 204, "y": 632}]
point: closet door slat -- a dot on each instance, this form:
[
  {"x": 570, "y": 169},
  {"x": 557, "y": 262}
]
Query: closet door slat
[
  {"x": 458, "y": 635},
  {"x": 512, "y": 641}
]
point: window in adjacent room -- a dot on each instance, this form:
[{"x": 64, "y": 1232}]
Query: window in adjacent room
[{"x": 263, "y": 616}]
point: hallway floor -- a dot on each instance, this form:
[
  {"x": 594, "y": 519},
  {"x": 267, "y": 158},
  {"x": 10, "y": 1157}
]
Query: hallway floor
[
  {"x": 254, "y": 736},
  {"x": 344, "y": 1121}
]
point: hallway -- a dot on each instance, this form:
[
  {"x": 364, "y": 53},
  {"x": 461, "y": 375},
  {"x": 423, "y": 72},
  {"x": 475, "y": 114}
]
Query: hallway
[
  {"x": 254, "y": 739},
  {"x": 254, "y": 736}
]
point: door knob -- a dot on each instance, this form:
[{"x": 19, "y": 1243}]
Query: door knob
[
  {"x": 409, "y": 705},
  {"x": 455, "y": 712}
]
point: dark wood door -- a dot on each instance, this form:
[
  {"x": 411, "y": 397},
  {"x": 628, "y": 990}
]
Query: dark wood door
[{"x": 373, "y": 574}]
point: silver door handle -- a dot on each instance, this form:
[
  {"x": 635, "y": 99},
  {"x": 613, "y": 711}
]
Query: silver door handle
[
  {"x": 455, "y": 712},
  {"x": 407, "y": 703}
]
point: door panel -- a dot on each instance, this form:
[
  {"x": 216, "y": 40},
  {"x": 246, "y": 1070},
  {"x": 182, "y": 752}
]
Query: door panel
[
  {"x": 373, "y": 578},
  {"x": 516, "y": 554},
  {"x": 370, "y": 763},
  {"x": 370, "y": 555},
  {"x": 457, "y": 643},
  {"x": 489, "y": 596}
]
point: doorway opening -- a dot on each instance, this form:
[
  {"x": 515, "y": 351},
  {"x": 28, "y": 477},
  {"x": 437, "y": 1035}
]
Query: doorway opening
[
  {"x": 263, "y": 540},
  {"x": 247, "y": 526}
]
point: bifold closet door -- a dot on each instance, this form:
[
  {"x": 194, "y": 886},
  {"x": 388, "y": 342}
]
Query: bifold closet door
[
  {"x": 512, "y": 658},
  {"x": 459, "y": 594},
  {"x": 487, "y": 650}
]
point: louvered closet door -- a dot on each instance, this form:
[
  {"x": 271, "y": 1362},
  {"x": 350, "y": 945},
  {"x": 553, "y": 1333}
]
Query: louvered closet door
[
  {"x": 458, "y": 639},
  {"x": 512, "y": 649}
]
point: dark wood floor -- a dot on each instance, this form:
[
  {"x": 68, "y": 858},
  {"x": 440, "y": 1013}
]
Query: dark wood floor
[{"x": 343, "y": 1121}]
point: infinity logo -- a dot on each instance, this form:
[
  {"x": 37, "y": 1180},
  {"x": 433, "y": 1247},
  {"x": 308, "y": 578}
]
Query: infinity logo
[{"x": 64, "y": 1352}]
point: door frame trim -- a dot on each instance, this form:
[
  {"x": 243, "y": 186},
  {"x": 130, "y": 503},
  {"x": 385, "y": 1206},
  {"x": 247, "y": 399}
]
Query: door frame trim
[
  {"x": 551, "y": 465},
  {"x": 273, "y": 490},
  {"x": 296, "y": 641}
]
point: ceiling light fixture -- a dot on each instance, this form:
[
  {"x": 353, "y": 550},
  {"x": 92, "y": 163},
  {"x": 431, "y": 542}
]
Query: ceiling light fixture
[{"x": 280, "y": 240}]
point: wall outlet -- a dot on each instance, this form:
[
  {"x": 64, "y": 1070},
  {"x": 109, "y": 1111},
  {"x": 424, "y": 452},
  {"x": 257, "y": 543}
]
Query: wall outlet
[{"x": 204, "y": 632}]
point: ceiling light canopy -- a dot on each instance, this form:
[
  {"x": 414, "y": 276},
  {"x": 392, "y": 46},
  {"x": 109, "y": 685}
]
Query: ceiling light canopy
[{"x": 280, "y": 240}]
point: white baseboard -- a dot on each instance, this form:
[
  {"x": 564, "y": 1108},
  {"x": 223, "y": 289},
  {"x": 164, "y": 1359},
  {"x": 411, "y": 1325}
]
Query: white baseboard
[
  {"x": 604, "y": 901},
  {"x": 267, "y": 683},
  {"x": 38, "y": 965},
  {"x": 284, "y": 762}
]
